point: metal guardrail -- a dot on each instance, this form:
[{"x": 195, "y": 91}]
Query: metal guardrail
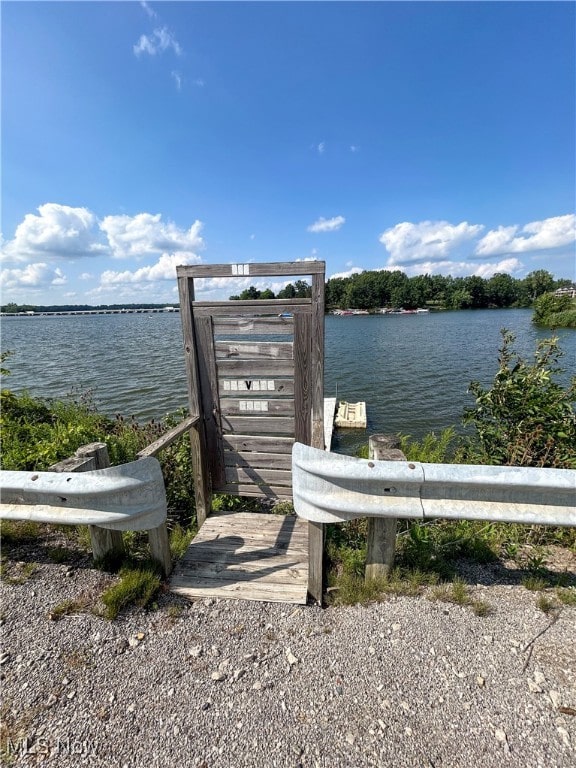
[
  {"x": 329, "y": 487},
  {"x": 127, "y": 497}
]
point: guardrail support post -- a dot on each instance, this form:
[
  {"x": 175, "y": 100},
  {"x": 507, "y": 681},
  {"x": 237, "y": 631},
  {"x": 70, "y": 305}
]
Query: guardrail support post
[
  {"x": 105, "y": 542},
  {"x": 381, "y": 539}
]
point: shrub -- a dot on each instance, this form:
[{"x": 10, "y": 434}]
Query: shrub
[{"x": 526, "y": 418}]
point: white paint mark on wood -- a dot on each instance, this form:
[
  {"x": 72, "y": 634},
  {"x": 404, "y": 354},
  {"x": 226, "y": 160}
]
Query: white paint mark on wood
[
  {"x": 252, "y": 385},
  {"x": 253, "y": 405}
]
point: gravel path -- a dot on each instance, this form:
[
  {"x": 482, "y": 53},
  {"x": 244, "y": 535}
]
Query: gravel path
[{"x": 407, "y": 682}]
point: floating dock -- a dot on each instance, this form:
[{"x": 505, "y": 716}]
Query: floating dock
[{"x": 351, "y": 415}]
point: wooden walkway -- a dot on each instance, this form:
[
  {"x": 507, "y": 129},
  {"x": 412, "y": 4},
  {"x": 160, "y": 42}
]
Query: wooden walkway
[{"x": 248, "y": 556}]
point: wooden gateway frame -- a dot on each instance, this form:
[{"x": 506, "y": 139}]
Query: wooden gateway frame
[{"x": 255, "y": 373}]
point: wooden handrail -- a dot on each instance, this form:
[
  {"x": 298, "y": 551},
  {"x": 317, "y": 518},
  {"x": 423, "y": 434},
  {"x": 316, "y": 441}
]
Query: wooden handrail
[{"x": 163, "y": 442}]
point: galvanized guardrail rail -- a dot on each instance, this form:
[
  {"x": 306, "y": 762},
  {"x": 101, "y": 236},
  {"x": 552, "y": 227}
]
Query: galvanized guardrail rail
[{"x": 331, "y": 488}]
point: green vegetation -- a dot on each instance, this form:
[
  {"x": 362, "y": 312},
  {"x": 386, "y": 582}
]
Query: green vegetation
[
  {"x": 526, "y": 418},
  {"x": 552, "y": 311},
  {"x": 523, "y": 419},
  {"x": 138, "y": 585}
]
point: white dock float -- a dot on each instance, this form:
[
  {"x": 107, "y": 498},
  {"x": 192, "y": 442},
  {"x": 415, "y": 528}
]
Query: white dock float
[{"x": 351, "y": 415}]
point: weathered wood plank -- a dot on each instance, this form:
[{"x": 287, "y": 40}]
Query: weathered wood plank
[
  {"x": 302, "y": 383},
  {"x": 202, "y": 489},
  {"x": 258, "y": 460},
  {"x": 258, "y": 476},
  {"x": 209, "y": 396},
  {"x": 255, "y": 269},
  {"x": 255, "y": 387},
  {"x": 270, "y": 593},
  {"x": 267, "y": 570},
  {"x": 262, "y": 308},
  {"x": 248, "y": 556},
  {"x": 225, "y": 539},
  {"x": 266, "y": 492},
  {"x": 277, "y": 425},
  {"x": 259, "y": 444},
  {"x": 256, "y": 407},
  {"x": 260, "y": 350},
  {"x": 232, "y": 326},
  {"x": 252, "y": 369}
]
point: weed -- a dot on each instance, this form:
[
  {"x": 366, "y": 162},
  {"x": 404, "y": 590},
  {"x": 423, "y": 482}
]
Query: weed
[
  {"x": 283, "y": 508},
  {"x": 534, "y": 583},
  {"x": 17, "y": 573},
  {"x": 137, "y": 585},
  {"x": 60, "y": 555},
  {"x": 481, "y": 608},
  {"x": 175, "y": 611},
  {"x": 352, "y": 589},
  {"x": 180, "y": 539},
  {"x": 17, "y": 532},
  {"x": 546, "y": 604},
  {"x": 567, "y": 596},
  {"x": 72, "y": 605}
]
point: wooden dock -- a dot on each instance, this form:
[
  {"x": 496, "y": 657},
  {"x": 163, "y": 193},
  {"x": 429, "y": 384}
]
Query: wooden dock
[
  {"x": 248, "y": 556},
  {"x": 329, "y": 411}
]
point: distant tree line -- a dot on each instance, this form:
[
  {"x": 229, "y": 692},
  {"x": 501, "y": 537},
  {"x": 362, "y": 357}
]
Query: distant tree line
[
  {"x": 382, "y": 288},
  {"x": 299, "y": 290}
]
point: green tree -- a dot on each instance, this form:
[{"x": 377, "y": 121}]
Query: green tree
[
  {"x": 539, "y": 282},
  {"x": 547, "y": 308},
  {"x": 502, "y": 290}
]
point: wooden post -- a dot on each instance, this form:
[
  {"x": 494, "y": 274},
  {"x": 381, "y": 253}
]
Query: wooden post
[
  {"x": 202, "y": 483},
  {"x": 382, "y": 530},
  {"x": 316, "y": 531},
  {"x": 105, "y": 542},
  {"x": 160, "y": 547}
]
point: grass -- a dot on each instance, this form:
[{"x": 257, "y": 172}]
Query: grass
[{"x": 138, "y": 585}]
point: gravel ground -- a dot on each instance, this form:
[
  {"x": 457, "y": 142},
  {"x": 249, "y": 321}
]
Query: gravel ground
[{"x": 407, "y": 682}]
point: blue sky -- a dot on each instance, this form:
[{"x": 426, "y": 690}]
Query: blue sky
[{"x": 428, "y": 137}]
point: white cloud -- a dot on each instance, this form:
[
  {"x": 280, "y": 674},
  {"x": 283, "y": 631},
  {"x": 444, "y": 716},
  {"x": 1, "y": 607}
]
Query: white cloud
[
  {"x": 327, "y": 225},
  {"x": 134, "y": 236},
  {"x": 464, "y": 268},
  {"x": 159, "y": 41},
  {"x": 33, "y": 276},
  {"x": 177, "y": 77},
  {"x": 321, "y": 147},
  {"x": 550, "y": 233},
  {"x": 151, "y": 13},
  {"x": 163, "y": 269},
  {"x": 407, "y": 242},
  {"x": 59, "y": 230},
  {"x": 349, "y": 273},
  {"x": 354, "y": 148},
  {"x": 199, "y": 82}
]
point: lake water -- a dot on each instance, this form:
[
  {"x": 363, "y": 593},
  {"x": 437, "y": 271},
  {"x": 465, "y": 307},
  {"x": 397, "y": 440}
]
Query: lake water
[{"x": 412, "y": 371}]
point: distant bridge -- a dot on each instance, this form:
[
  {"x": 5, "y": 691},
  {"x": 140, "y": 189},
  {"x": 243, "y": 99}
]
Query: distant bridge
[{"x": 137, "y": 311}]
